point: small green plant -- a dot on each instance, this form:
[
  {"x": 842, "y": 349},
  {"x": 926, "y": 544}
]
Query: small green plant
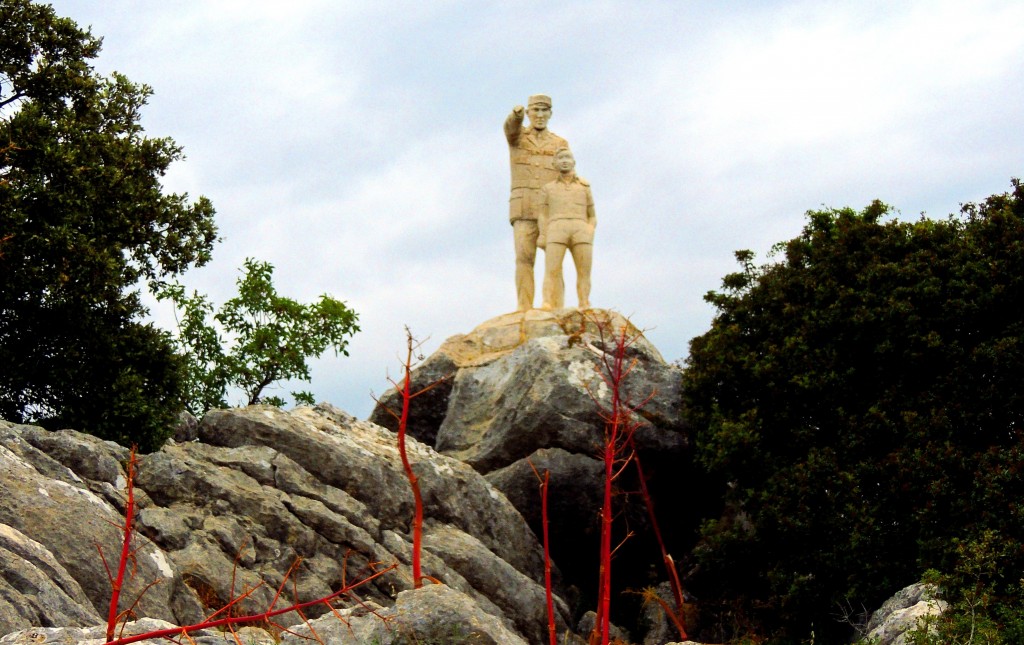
[
  {"x": 986, "y": 601},
  {"x": 255, "y": 340}
]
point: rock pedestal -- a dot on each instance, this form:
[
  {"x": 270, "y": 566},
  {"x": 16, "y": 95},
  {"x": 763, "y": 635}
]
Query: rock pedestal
[{"x": 527, "y": 388}]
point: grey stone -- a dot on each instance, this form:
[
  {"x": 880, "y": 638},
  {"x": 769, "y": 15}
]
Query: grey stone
[
  {"x": 528, "y": 389},
  {"x": 187, "y": 428},
  {"x": 519, "y": 597},
  {"x": 549, "y": 393},
  {"x": 574, "y": 489},
  {"x": 96, "y": 635},
  {"x": 69, "y": 521},
  {"x": 586, "y": 626},
  {"x": 362, "y": 459},
  {"x": 35, "y": 589},
  {"x": 892, "y": 623},
  {"x": 87, "y": 456},
  {"x": 430, "y": 614},
  {"x": 426, "y": 411}
]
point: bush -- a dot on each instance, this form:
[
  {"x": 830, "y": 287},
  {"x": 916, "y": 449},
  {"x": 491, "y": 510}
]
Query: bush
[
  {"x": 859, "y": 400},
  {"x": 266, "y": 338}
]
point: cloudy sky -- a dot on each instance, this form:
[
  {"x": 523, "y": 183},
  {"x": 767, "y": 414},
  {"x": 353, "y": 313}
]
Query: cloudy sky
[{"x": 357, "y": 145}]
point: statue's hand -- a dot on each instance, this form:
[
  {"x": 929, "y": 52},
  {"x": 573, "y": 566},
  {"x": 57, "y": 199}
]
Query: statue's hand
[{"x": 518, "y": 111}]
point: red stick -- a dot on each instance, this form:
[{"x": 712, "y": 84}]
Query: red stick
[
  {"x": 552, "y": 635},
  {"x": 236, "y": 620},
  {"x": 670, "y": 565},
  {"x": 417, "y": 524},
  {"x": 616, "y": 422},
  {"x": 126, "y": 547},
  {"x": 603, "y": 620}
]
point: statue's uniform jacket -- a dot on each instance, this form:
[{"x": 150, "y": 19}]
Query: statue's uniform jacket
[{"x": 530, "y": 152}]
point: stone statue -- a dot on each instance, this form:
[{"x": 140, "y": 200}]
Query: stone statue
[
  {"x": 530, "y": 152},
  {"x": 566, "y": 220}
]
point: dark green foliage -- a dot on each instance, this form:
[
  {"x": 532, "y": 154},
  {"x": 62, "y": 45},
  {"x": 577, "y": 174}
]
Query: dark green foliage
[
  {"x": 83, "y": 222},
  {"x": 269, "y": 338},
  {"x": 986, "y": 601},
  {"x": 862, "y": 398}
]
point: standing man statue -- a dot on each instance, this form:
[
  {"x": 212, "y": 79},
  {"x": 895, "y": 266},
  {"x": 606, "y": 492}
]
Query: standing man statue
[
  {"x": 566, "y": 221},
  {"x": 531, "y": 150}
]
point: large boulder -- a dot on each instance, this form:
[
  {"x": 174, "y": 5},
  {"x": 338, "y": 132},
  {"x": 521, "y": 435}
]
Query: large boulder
[
  {"x": 525, "y": 381},
  {"x": 35, "y": 589},
  {"x": 528, "y": 391},
  {"x": 96, "y": 635},
  {"x": 905, "y": 612},
  {"x": 430, "y": 614},
  {"x": 230, "y": 513},
  {"x": 61, "y": 497}
]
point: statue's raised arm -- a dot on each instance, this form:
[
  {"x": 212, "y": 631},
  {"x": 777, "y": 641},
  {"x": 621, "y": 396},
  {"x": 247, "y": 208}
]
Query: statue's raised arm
[{"x": 514, "y": 125}]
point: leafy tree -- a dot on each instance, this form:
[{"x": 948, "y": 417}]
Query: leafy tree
[
  {"x": 983, "y": 607},
  {"x": 268, "y": 339},
  {"x": 860, "y": 400},
  {"x": 84, "y": 222}
]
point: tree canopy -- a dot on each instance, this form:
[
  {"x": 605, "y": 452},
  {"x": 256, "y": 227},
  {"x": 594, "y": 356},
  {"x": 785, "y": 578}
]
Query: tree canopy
[
  {"x": 255, "y": 340},
  {"x": 860, "y": 401},
  {"x": 84, "y": 223}
]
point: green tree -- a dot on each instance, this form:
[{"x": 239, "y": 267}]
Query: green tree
[
  {"x": 266, "y": 338},
  {"x": 84, "y": 224},
  {"x": 860, "y": 400},
  {"x": 985, "y": 605}
]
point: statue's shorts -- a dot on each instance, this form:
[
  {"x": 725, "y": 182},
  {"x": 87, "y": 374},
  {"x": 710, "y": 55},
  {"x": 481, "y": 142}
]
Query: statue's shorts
[{"x": 569, "y": 232}]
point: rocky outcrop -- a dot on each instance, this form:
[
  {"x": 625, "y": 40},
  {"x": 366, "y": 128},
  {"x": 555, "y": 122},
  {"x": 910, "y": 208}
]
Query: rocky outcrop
[
  {"x": 61, "y": 495},
  {"x": 527, "y": 388},
  {"x": 431, "y": 614},
  {"x": 259, "y": 490},
  {"x": 892, "y": 623},
  {"x": 525, "y": 381},
  {"x": 96, "y": 635},
  {"x": 246, "y": 493}
]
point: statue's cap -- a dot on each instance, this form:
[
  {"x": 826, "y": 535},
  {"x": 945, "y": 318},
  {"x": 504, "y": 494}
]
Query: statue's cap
[{"x": 539, "y": 99}]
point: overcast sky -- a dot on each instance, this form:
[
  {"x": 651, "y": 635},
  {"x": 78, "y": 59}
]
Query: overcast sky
[{"x": 357, "y": 146}]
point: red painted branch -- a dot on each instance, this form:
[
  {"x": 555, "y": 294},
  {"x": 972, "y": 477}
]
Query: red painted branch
[
  {"x": 237, "y": 620},
  {"x": 670, "y": 565},
  {"x": 417, "y": 524},
  {"x": 126, "y": 547},
  {"x": 552, "y": 634}
]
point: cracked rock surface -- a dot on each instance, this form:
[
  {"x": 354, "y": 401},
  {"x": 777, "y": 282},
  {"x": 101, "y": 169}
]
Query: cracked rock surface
[{"x": 259, "y": 490}]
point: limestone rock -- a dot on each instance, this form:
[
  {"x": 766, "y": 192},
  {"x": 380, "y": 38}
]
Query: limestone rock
[
  {"x": 187, "y": 428},
  {"x": 362, "y": 460},
  {"x": 426, "y": 412},
  {"x": 901, "y": 614},
  {"x": 231, "y": 512},
  {"x": 531, "y": 380},
  {"x": 96, "y": 635},
  {"x": 50, "y": 503},
  {"x": 430, "y": 614},
  {"x": 35, "y": 589},
  {"x": 586, "y": 626},
  {"x": 527, "y": 388},
  {"x": 518, "y": 596}
]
